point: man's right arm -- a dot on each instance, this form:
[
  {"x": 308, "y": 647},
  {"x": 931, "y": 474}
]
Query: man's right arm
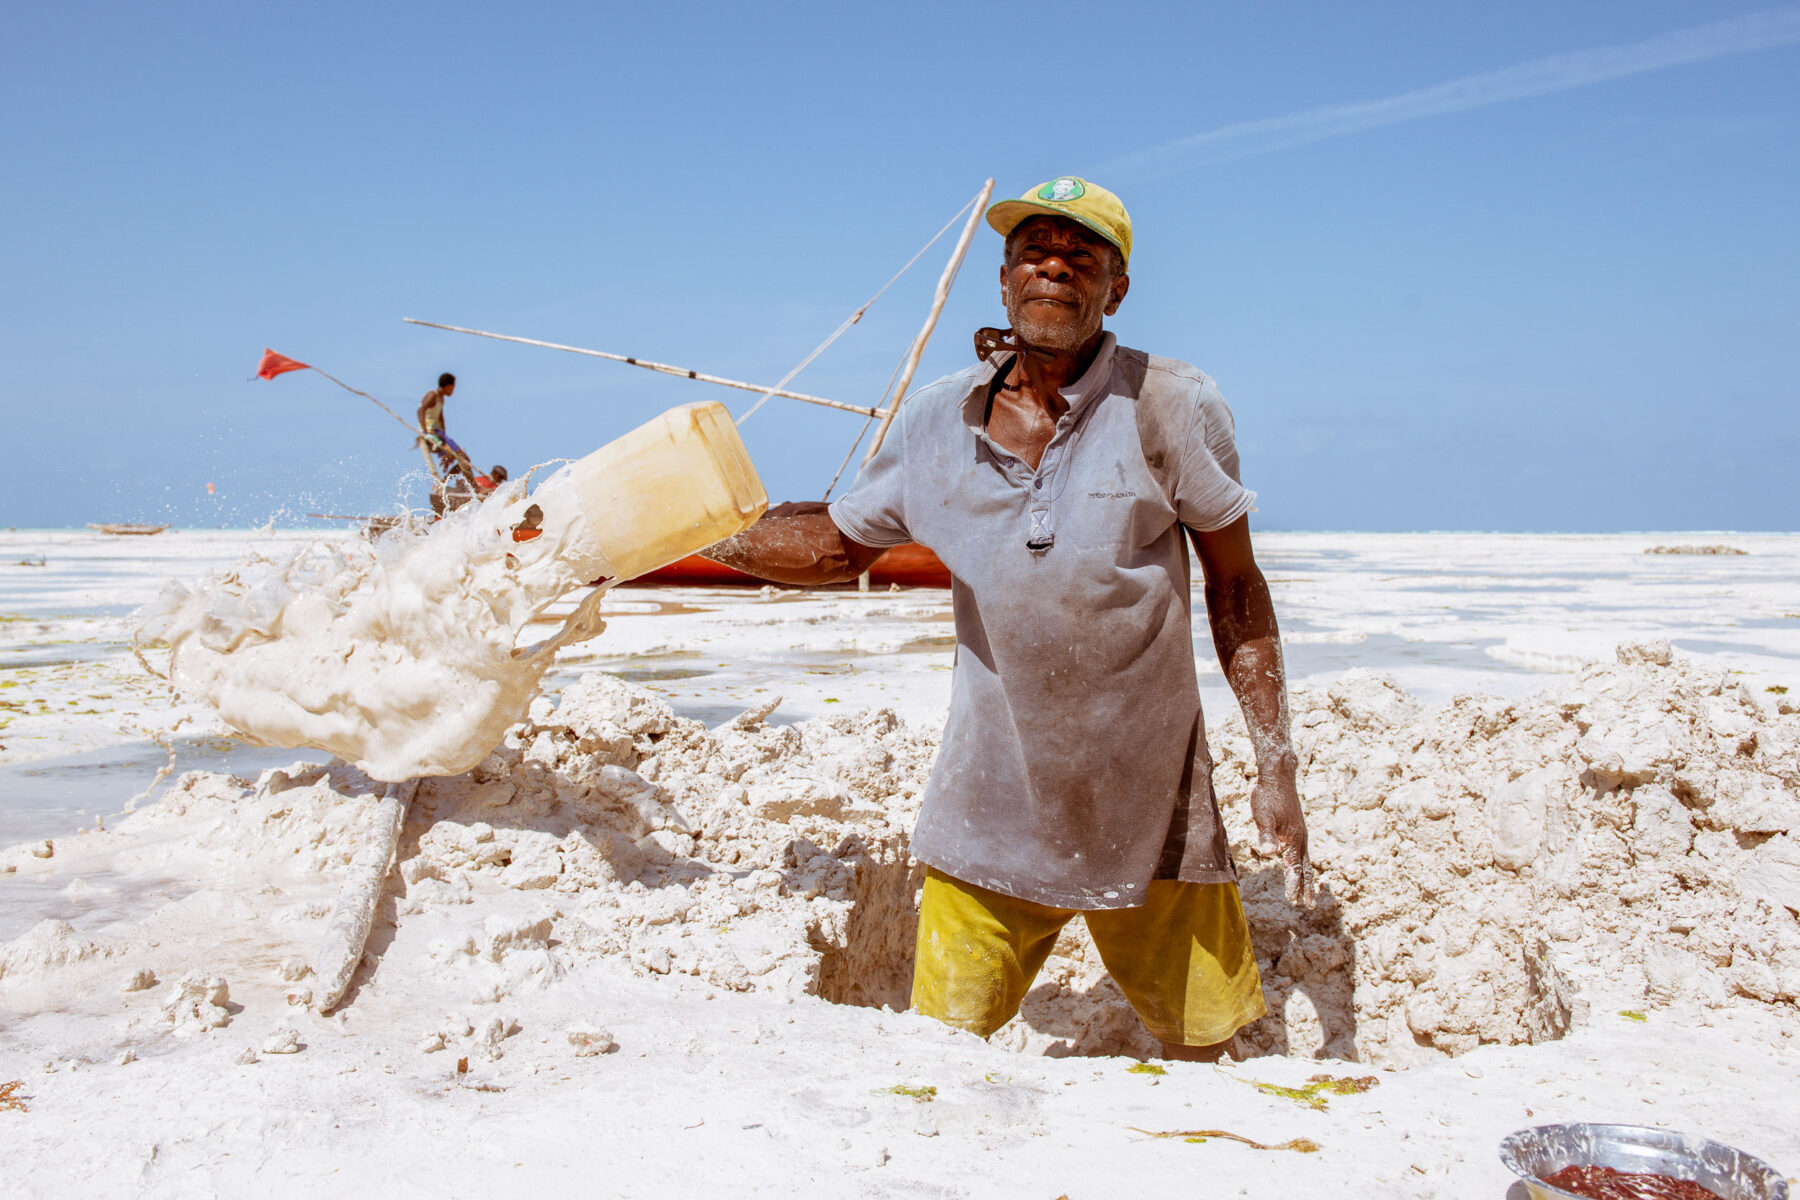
[{"x": 796, "y": 543}]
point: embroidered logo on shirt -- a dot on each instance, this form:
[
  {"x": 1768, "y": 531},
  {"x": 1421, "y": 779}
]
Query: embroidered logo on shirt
[
  {"x": 1112, "y": 495},
  {"x": 1065, "y": 188}
]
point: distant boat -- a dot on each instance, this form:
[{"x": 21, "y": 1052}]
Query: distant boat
[
  {"x": 911, "y": 565},
  {"x": 128, "y": 529},
  {"x": 372, "y": 527}
]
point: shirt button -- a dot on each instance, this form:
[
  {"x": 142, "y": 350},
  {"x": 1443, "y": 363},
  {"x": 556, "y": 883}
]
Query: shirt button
[{"x": 1037, "y": 483}]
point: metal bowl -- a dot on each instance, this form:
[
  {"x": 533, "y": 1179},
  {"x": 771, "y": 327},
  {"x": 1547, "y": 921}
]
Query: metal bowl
[{"x": 1534, "y": 1153}]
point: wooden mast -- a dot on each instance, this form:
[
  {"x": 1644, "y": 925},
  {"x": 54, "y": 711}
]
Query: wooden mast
[{"x": 924, "y": 335}]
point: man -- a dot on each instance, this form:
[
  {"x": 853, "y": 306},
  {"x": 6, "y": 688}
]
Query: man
[
  {"x": 1056, "y": 480},
  {"x": 450, "y": 456},
  {"x": 485, "y": 484}
]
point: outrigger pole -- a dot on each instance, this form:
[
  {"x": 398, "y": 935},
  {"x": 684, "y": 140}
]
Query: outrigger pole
[
  {"x": 945, "y": 281},
  {"x": 663, "y": 368}
]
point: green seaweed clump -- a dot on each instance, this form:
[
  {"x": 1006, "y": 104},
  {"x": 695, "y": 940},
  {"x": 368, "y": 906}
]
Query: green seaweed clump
[
  {"x": 1632, "y": 1014},
  {"x": 1146, "y": 1068},
  {"x": 923, "y": 1094},
  {"x": 1777, "y": 688},
  {"x": 1314, "y": 1094},
  {"x": 1197, "y": 1136}
]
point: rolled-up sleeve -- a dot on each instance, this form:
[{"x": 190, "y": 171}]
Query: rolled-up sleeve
[
  {"x": 873, "y": 510},
  {"x": 1209, "y": 494}
]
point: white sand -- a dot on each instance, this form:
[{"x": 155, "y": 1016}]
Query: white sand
[{"x": 617, "y": 876}]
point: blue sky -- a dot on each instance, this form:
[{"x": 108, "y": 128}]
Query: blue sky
[{"x": 1526, "y": 267}]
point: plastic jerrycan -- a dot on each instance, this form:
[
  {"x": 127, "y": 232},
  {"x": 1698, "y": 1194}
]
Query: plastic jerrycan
[{"x": 674, "y": 485}]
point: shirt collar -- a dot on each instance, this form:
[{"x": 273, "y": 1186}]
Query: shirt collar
[{"x": 1093, "y": 384}]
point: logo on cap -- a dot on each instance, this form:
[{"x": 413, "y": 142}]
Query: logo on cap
[{"x": 1062, "y": 189}]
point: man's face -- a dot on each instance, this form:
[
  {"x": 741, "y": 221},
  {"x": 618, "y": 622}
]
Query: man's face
[{"x": 1057, "y": 283}]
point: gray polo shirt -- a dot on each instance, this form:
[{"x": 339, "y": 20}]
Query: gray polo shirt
[{"x": 1074, "y": 766}]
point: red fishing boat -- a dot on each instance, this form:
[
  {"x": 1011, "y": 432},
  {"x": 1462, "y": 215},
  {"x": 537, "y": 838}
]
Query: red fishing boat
[{"x": 911, "y": 565}]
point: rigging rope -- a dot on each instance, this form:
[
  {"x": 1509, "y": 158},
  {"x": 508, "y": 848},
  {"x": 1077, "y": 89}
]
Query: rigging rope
[
  {"x": 378, "y": 404},
  {"x": 848, "y": 455},
  {"x": 867, "y": 421},
  {"x": 853, "y": 318}
]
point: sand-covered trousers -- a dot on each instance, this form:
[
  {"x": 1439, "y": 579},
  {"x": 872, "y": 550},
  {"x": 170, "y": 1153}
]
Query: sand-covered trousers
[{"x": 1183, "y": 958}]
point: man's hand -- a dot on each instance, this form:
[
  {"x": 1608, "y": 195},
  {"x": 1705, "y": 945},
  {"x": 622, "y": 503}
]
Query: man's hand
[
  {"x": 1281, "y": 828},
  {"x": 1249, "y": 646}
]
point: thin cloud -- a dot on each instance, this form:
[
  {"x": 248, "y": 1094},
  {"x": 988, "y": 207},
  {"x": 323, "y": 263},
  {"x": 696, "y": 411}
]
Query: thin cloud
[{"x": 1539, "y": 77}]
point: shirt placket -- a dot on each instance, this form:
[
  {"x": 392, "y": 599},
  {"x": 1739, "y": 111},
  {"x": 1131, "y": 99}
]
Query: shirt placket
[
  {"x": 1041, "y": 503},
  {"x": 1040, "y": 487},
  {"x": 1043, "y": 486}
]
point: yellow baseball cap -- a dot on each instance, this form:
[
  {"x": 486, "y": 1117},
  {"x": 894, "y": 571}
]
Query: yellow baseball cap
[{"x": 1068, "y": 196}]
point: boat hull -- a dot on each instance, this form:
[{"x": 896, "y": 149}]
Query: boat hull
[
  {"x": 127, "y": 530},
  {"x": 911, "y": 565}
]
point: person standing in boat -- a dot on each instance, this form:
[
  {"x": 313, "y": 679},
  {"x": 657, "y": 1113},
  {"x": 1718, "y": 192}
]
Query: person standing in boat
[
  {"x": 1061, "y": 480},
  {"x": 450, "y": 456}
]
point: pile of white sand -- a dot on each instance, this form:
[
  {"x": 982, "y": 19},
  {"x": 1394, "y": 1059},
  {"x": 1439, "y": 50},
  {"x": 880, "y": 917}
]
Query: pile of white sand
[
  {"x": 753, "y": 856},
  {"x": 603, "y": 828},
  {"x": 1493, "y": 871},
  {"x": 1492, "y": 867}
]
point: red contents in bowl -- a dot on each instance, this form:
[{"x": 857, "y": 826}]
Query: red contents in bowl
[{"x": 1604, "y": 1183}]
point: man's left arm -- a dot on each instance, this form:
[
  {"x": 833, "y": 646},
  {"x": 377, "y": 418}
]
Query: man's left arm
[{"x": 1249, "y": 646}]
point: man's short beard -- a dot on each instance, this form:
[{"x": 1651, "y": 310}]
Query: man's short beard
[{"x": 1059, "y": 336}]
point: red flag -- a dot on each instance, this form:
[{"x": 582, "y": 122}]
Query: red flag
[{"x": 274, "y": 364}]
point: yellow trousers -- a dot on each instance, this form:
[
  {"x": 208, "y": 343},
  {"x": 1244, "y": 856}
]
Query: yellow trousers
[{"x": 1183, "y": 958}]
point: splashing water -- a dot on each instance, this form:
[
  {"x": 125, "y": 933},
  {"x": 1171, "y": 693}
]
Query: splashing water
[{"x": 400, "y": 656}]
